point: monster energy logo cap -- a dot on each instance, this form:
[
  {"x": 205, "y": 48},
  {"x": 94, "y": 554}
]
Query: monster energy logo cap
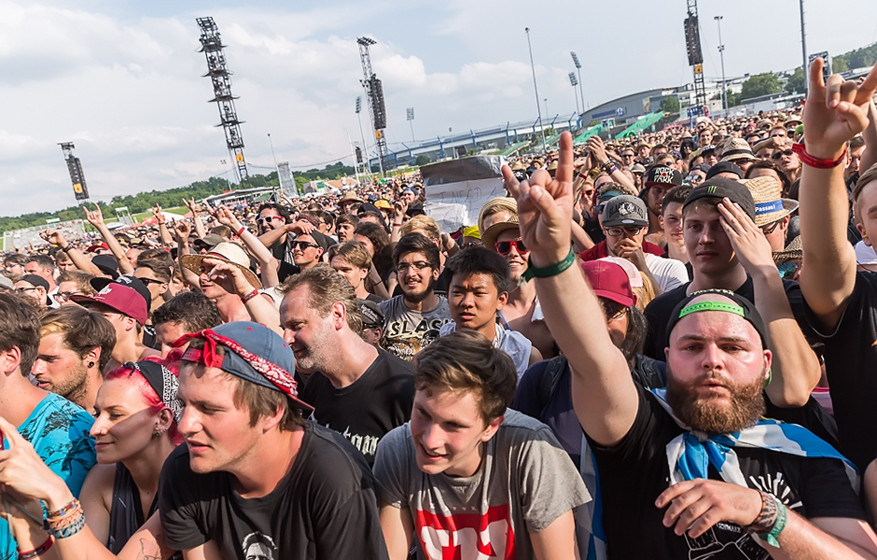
[{"x": 719, "y": 188}]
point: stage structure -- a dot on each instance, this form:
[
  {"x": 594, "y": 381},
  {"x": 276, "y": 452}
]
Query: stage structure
[
  {"x": 375, "y": 92},
  {"x": 77, "y": 177},
  {"x": 217, "y": 71},
  {"x": 695, "y": 55}
]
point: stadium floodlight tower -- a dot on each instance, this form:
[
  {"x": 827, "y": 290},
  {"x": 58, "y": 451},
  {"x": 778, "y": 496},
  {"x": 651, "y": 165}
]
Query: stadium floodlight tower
[
  {"x": 695, "y": 55},
  {"x": 217, "y": 71},
  {"x": 375, "y": 93}
]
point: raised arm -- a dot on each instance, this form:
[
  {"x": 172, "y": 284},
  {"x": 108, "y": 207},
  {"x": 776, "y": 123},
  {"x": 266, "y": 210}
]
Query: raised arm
[
  {"x": 267, "y": 263},
  {"x": 604, "y": 395},
  {"x": 163, "y": 233},
  {"x": 182, "y": 232},
  {"x": 834, "y": 113},
  {"x": 95, "y": 218},
  {"x": 795, "y": 366},
  {"x": 195, "y": 208}
]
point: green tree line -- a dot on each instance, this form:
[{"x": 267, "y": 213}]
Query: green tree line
[{"x": 198, "y": 190}]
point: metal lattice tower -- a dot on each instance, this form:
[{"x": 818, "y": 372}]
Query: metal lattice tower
[
  {"x": 375, "y": 92},
  {"x": 217, "y": 71},
  {"x": 695, "y": 55}
]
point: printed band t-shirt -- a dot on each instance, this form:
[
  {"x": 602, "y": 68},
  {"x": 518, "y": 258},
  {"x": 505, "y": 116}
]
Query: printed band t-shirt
[{"x": 406, "y": 332}]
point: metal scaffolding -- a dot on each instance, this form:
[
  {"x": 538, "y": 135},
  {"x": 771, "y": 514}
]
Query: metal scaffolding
[{"x": 217, "y": 71}]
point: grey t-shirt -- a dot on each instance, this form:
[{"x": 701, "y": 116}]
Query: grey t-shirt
[
  {"x": 406, "y": 332},
  {"x": 524, "y": 483}
]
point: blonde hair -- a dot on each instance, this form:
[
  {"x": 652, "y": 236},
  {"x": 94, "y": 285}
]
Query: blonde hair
[{"x": 422, "y": 223}]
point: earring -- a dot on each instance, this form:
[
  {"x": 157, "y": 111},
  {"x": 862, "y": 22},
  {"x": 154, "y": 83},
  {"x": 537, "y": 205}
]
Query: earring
[
  {"x": 157, "y": 433},
  {"x": 864, "y": 236},
  {"x": 90, "y": 365}
]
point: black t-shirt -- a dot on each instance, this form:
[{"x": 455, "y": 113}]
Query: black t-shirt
[
  {"x": 324, "y": 508},
  {"x": 634, "y": 472},
  {"x": 851, "y": 365},
  {"x": 658, "y": 312},
  {"x": 371, "y": 406}
]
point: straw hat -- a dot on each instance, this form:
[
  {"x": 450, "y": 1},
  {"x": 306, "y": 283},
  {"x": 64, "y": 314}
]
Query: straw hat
[
  {"x": 770, "y": 206},
  {"x": 225, "y": 252},
  {"x": 506, "y": 203},
  {"x": 488, "y": 238},
  {"x": 737, "y": 148}
]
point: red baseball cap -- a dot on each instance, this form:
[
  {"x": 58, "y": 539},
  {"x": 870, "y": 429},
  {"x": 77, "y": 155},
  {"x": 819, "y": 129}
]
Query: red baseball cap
[
  {"x": 124, "y": 299},
  {"x": 610, "y": 281}
]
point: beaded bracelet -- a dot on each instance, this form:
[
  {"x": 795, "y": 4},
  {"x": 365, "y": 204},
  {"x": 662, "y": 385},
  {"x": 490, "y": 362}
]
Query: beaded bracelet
[
  {"x": 38, "y": 551},
  {"x": 549, "y": 271},
  {"x": 812, "y": 161}
]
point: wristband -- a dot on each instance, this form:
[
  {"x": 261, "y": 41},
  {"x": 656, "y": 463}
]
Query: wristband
[
  {"x": 250, "y": 296},
  {"x": 38, "y": 551},
  {"x": 811, "y": 161},
  {"x": 65, "y": 248},
  {"x": 771, "y": 519},
  {"x": 242, "y": 230},
  {"x": 397, "y": 225},
  {"x": 551, "y": 270}
]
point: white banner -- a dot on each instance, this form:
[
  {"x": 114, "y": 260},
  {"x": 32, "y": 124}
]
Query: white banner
[{"x": 456, "y": 190}]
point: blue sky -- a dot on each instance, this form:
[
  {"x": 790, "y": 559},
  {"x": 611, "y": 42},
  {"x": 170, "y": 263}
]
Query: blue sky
[{"x": 122, "y": 79}]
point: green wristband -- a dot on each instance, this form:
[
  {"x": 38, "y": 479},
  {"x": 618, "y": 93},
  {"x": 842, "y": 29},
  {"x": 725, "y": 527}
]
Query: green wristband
[
  {"x": 780, "y": 524},
  {"x": 551, "y": 270}
]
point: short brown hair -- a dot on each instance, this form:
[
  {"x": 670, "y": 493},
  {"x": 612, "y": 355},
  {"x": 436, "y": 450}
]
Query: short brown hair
[
  {"x": 467, "y": 361},
  {"x": 423, "y": 223},
  {"x": 353, "y": 252},
  {"x": 326, "y": 288},
  {"x": 81, "y": 330},
  {"x": 869, "y": 176},
  {"x": 19, "y": 328},
  {"x": 82, "y": 280}
]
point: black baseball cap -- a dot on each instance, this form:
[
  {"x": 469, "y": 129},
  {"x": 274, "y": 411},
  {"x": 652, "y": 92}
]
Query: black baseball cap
[
  {"x": 720, "y": 187},
  {"x": 741, "y": 306}
]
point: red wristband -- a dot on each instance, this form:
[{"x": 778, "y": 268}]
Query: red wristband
[
  {"x": 38, "y": 551},
  {"x": 811, "y": 161},
  {"x": 250, "y": 296},
  {"x": 240, "y": 231}
]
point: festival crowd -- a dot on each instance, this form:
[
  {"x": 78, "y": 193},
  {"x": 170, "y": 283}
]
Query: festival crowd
[{"x": 662, "y": 346}]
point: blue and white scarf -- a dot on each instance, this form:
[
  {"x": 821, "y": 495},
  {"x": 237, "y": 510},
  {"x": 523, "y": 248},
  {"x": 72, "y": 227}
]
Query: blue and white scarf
[{"x": 689, "y": 454}]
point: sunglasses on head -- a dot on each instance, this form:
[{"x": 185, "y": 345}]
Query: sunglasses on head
[{"x": 503, "y": 247}]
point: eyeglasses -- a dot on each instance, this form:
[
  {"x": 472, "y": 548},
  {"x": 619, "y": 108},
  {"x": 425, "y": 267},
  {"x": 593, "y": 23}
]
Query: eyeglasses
[
  {"x": 268, "y": 219},
  {"x": 22, "y": 290},
  {"x": 503, "y": 247},
  {"x": 419, "y": 265},
  {"x": 302, "y": 245},
  {"x": 151, "y": 281},
  {"x": 619, "y": 231},
  {"x": 770, "y": 228},
  {"x": 781, "y": 153},
  {"x": 65, "y": 296}
]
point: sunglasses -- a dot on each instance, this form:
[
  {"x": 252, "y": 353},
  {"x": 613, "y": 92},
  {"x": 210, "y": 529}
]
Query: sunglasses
[
  {"x": 503, "y": 247},
  {"x": 778, "y": 155},
  {"x": 770, "y": 228},
  {"x": 302, "y": 245},
  {"x": 269, "y": 218},
  {"x": 148, "y": 281}
]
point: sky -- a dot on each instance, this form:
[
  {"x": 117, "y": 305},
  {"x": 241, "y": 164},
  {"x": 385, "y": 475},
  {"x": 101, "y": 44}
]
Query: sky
[{"x": 123, "y": 81}]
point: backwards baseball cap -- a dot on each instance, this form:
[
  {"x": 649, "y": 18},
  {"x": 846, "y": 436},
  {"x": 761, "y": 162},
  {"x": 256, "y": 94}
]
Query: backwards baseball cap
[
  {"x": 625, "y": 210},
  {"x": 126, "y": 280},
  {"x": 738, "y": 305},
  {"x": 662, "y": 175},
  {"x": 610, "y": 281},
  {"x": 35, "y": 281},
  {"x": 372, "y": 316},
  {"x": 253, "y": 352},
  {"x": 720, "y": 187},
  {"x": 120, "y": 297}
]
